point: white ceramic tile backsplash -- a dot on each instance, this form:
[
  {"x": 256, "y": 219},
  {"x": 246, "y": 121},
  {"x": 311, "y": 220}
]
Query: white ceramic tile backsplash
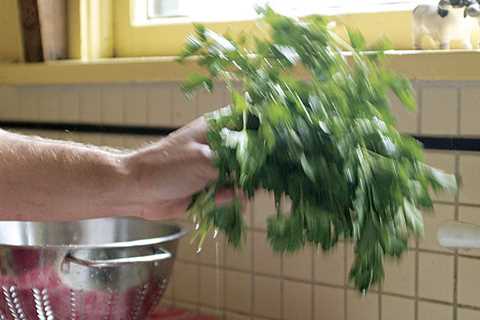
[
  {"x": 267, "y": 293},
  {"x": 135, "y": 99},
  {"x": 470, "y": 173},
  {"x": 49, "y": 104},
  {"x": 9, "y": 108},
  {"x": 297, "y": 300},
  {"x": 407, "y": 121},
  {"x": 400, "y": 275},
  {"x": 433, "y": 220},
  {"x": 435, "y": 275},
  {"x": 184, "y": 110},
  {"x": 28, "y": 103},
  {"x": 439, "y": 111},
  {"x": 69, "y": 99},
  {"x": 361, "y": 307},
  {"x": 428, "y": 310},
  {"x": 329, "y": 303},
  {"x": 330, "y": 266},
  {"x": 395, "y": 308},
  {"x": 159, "y": 102},
  {"x": 265, "y": 261},
  {"x": 299, "y": 265},
  {"x": 90, "y": 104},
  {"x": 254, "y": 284},
  {"x": 470, "y": 112},
  {"x": 113, "y": 103},
  {"x": 240, "y": 258}
]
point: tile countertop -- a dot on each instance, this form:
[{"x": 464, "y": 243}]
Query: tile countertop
[{"x": 178, "y": 314}]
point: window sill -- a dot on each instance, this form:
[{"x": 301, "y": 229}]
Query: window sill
[{"x": 416, "y": 65}]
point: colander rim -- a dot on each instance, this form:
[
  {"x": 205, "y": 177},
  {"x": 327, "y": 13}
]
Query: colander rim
[{"x": 179, "y": 228}]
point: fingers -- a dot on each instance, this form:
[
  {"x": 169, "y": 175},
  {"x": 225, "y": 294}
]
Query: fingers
[
  {"x": 176, "y": 209},
  {"x": 198, "y": 128},
  {"x": 194, "y": 131},
  {"x": 166, "y": 210},
  {"x": 205, "y": 151},
  {"x": 225, "y": 196}
]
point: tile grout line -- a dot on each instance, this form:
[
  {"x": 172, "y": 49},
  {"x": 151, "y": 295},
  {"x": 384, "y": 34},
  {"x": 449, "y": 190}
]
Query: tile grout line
[
  {"x": 417, "y": 278},
  {"x": 148, "y": 101},
  {"x": 198, "y": 258},
  {"x": 456, "y": 209},
  {"x": 222, "y": 269},
  {"x": 312, "y": 286},
  {"x": 282, "y": 283},
  {"x": 282, "y": 289},
  {"x": 419, "y": 109},
  {"x": 221, "y": 276},
  {"x": 224, "y": 262},
  {"x": 456, "y": 254},
  {"x": 459, "y": 111},
  {"x": 419, "y": 90},
  {"x": 439, "y": 302},
  {"x": 199, "y": 284},
  {"x": 171, "y": 99},
  {"x": 345, "y": 280},
  {"x": 252, "y": 274},
  {"x": 380, "y": 298}
]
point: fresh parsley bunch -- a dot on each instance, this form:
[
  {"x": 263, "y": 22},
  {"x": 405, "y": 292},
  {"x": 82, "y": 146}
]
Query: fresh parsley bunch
[{"x": 328, "y": 144}]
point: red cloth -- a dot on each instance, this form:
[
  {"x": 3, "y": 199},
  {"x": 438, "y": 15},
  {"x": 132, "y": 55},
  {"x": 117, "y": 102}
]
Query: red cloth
[{"x": 177, "y": 314}]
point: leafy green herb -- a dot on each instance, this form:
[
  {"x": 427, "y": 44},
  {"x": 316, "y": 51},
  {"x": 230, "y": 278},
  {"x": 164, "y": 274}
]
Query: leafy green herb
[{"x": 328, "y": 144}]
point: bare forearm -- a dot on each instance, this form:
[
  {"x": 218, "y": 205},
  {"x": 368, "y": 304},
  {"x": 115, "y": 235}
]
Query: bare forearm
[
  {"x": 50, "y": 180},
  {"x": 53, "y": 180}
]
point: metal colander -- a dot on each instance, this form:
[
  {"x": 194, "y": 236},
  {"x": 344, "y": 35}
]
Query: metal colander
[{"x": 109, "y": 269}]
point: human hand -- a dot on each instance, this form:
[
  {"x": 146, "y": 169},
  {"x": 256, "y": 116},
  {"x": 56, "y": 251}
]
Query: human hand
[{"x": 164, "y": 176}]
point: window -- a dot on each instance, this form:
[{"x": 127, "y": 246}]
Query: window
[
  {"x": 160, "y": 27},
  {"x": 232, "y": 10}
]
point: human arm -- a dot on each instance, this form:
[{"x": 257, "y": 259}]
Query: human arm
[{"x": 43, "y": 179}]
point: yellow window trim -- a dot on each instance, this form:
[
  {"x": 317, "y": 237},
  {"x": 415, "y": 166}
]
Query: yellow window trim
[{"x": 90, "y": 29}]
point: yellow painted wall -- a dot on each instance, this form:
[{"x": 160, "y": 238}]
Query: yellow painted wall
[
  {"x": 11, "y": 48},
  {"x": 159, "y": 40}
]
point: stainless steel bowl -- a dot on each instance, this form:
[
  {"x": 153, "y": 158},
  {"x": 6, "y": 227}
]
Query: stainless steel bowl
[{"x": 113, "y": 268}]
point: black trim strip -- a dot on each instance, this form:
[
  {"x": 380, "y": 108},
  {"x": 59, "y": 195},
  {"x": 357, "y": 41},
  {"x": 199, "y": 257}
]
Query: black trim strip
[
  {"x": 434, "y": 143},
  {"x": 450, "y": 143},
  {"x": 87, "y": 128}
]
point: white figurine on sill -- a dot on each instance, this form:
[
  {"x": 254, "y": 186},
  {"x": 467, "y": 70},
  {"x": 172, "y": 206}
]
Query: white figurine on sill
[
  {"x": 473, "y": 10},
  {"x": 446, "y": 22}
]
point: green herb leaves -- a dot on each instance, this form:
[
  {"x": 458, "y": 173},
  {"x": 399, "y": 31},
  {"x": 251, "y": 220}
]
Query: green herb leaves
[{"x": 328, "y": 145}]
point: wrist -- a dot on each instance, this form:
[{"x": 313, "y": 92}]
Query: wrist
[
  {"x": 138, "y": 191},
  {"x": 128, "y": 196}
]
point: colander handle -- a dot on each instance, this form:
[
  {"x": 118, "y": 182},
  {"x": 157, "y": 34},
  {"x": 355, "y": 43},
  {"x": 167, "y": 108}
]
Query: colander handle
[{"x": 159, "y": 255}]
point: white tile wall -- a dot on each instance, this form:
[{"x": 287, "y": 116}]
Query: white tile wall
[
  {"x": 439, "y": 111},
  {"x": 136, "y": 107},
  {"x": 28, "y": 103},
  {"x": 9, "y": 109},
  {"x": 428, "y": 283},
  {"x": 90, "y": 104},
  {"x": 159, "y": 102},
  {"x": 113, "y": 104}
]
